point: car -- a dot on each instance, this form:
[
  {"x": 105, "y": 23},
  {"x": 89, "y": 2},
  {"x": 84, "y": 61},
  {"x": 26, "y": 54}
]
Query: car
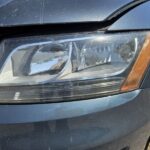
[{"x": 74, "y": 74}]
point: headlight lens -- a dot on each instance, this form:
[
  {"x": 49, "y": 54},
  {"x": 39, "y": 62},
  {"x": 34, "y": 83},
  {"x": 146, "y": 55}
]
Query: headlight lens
[{"x": 66, "y": 67}]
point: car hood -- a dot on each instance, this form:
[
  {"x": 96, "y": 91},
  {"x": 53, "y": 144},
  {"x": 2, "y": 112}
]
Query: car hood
[{"x": 29, "y": 12}]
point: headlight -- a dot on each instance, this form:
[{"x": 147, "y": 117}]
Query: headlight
[{"x": 69, "y": 67}]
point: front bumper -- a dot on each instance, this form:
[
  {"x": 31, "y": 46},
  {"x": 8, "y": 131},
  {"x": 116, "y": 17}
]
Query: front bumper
[{"x": 109, "y": 123}]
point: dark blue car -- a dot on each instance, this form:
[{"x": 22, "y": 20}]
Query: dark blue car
[{"x": 74, "y": 74}]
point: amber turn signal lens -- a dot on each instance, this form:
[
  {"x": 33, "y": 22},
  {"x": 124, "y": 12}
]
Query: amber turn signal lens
[{"x": 139, "y": 68}]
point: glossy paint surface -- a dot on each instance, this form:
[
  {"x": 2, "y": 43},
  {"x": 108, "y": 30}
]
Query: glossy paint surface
[
  {"x": 136, "y": 19},
  {"x": 87, "y": 131},
  {"x": 27, "y": 12}
]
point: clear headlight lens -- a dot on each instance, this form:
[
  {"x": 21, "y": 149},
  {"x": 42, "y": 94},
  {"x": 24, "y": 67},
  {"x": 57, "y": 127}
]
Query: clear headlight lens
[{"x": 66, "y": 67}]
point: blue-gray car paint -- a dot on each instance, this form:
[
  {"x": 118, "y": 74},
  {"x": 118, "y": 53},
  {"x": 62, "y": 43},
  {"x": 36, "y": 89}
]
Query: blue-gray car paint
[
  {"x": 136, "y": 19},
  {"x": 46, "y": 112},
  {"x": 99, "y": 124},
  {"x": 34, "y": 12}
]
